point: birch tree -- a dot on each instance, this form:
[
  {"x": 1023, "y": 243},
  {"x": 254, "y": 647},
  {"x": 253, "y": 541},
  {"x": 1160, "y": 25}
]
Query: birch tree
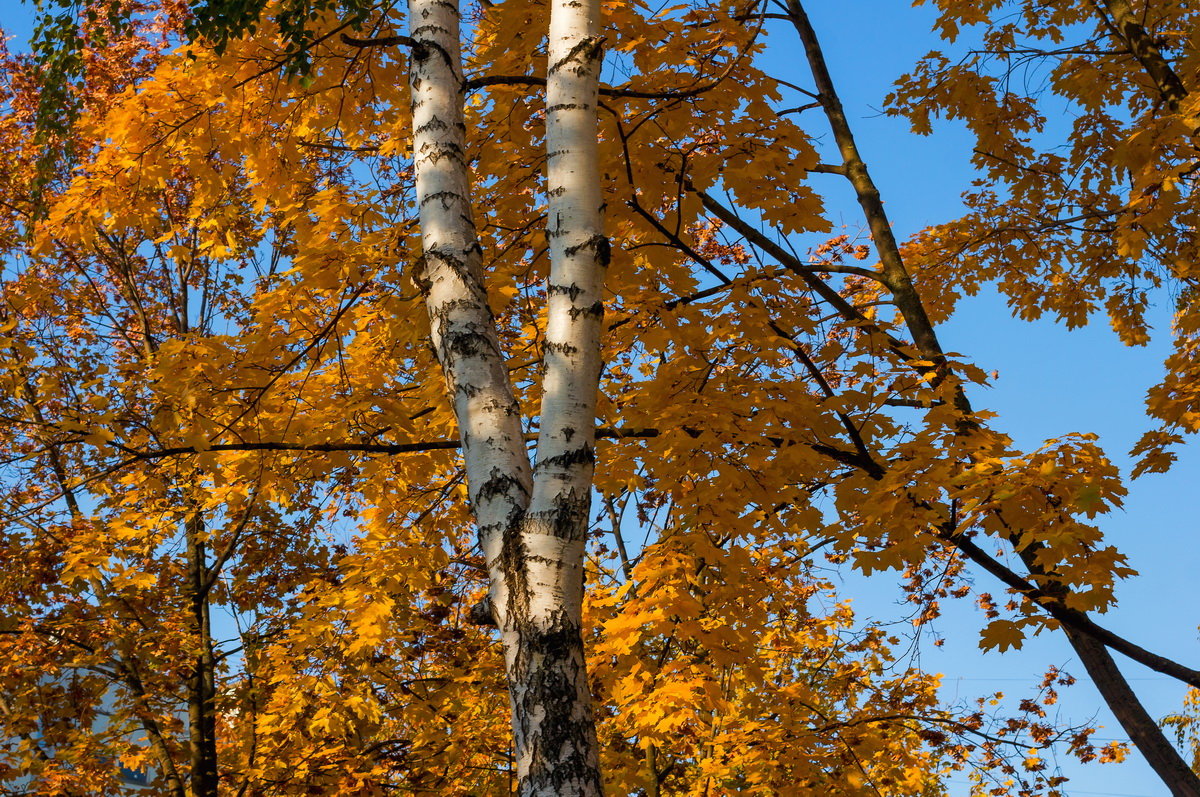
[{"x": 532, "y": 520}]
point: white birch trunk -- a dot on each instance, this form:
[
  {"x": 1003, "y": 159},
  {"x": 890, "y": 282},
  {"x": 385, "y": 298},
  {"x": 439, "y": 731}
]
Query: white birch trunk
[
  {"x": 532, "y": 529},
  {"x": 559, "y": 757},
  {"x": 451, "y": 277}
]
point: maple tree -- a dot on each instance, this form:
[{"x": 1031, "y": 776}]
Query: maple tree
[{"x": 274, "y": 348}]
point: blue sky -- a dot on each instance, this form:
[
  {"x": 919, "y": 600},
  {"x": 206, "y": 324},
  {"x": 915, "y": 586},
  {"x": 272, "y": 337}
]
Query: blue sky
[{"x": 1051, "y": 382}]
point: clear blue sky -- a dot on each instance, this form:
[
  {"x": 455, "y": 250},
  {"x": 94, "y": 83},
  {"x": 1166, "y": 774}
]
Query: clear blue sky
[{"x": 1051, "y": 382}]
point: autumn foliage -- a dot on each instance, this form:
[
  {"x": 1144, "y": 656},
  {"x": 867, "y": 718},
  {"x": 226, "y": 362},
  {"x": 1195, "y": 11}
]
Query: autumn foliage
[{"x": 237, "y": 542}]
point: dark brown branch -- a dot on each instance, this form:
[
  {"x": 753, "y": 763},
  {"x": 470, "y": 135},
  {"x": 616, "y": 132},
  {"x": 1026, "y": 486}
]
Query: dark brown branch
[
  {"x": 799, "y": 109},
  {"x": 379, "y": 41},
  {"x": 799, "y": 89},
  {"x": 1142, "y": 728},
  {"x": 1089, "y": 645},
  {"x": 923, "y": 405},
  {"x": 863, "y": 457},
  {"x": 682, "y": 301},
  {"x": 366, "y": 448},
  {"x": 678, "y": 242},
  {"x": 1128, "y": 31},
  {"x": 476, "y": 83},
  {"x": 802, "y": 270},
  {"x": 895, "y": 275},
  {"x": 1072, "y": 618},
  {"x": 336, "y": 147},
  {"x": 235, "y": 535}
]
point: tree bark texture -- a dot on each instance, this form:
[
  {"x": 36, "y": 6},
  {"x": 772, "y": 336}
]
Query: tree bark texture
[
  {"x": 531, "y": 521},
  {"x": 1122, "y": 20},
  {"x": 554, "y": 731},
  {"x": 202, "y": 690},
  {"x": 450, "y": 275}
]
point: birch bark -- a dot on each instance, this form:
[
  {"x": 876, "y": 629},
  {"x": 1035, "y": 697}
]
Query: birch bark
[
  {"x": 557, "y": 752},
  {"x": 531, "y": 522},
  {"x": 464, "y": 334}
]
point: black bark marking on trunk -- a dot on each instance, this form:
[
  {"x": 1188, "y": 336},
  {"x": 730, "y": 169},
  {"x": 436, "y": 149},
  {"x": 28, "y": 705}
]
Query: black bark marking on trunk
[
  {"x": 561, "y": 348},
  {"x": 419, "y": 278},
  {"x": 420, "y": 54},
  {"x": 428, "y": 48},
  {"x": 507, "y": 407},
  {"x": 424, "y": 32},
  {"x": 603, "y": 250},
  {"x": 584, "y": 455},
  {"x": 515, "y": 572},
  {"x": 567, "y": 519},
  {"x": 465, "y": 304},
  {"x": 571, "y": 510},
  {"x": 461, "y": 269},
  {"x": 435, "y": 153},
  {"x": 573, "y": 291},
  {"x": 551, "y": 666},
  {"x": 596, "y": 310},
  {"x": 599, "y": 243},
  {"x": 447, "y": 198},
  {"x": 434, "y": 123},
  {"x": 466, "y": 343},
  {"x": 498, "y": 484},
  {"x": 481, "y": 614},
  {"x": 585, "y": 51}
]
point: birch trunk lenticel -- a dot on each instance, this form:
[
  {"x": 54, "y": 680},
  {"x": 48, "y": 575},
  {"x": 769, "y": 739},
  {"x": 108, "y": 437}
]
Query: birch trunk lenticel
[{"x": 531, "y": 530}]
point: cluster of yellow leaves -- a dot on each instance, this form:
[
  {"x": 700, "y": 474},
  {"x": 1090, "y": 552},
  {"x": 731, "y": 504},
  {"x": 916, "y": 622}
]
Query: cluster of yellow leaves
[
  {"x": 715, "y": 670},
  {"x": 1075, "y": 216}
]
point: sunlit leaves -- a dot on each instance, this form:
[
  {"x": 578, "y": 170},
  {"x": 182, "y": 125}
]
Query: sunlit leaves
[{"x": 1073, "y": 217}]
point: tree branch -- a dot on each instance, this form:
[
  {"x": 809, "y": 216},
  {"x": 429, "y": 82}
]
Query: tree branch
[
  {"x": 379, "y": 41},
  {"x": 1072, "y": 618},
  {"x": 1127, "y": 30}
]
